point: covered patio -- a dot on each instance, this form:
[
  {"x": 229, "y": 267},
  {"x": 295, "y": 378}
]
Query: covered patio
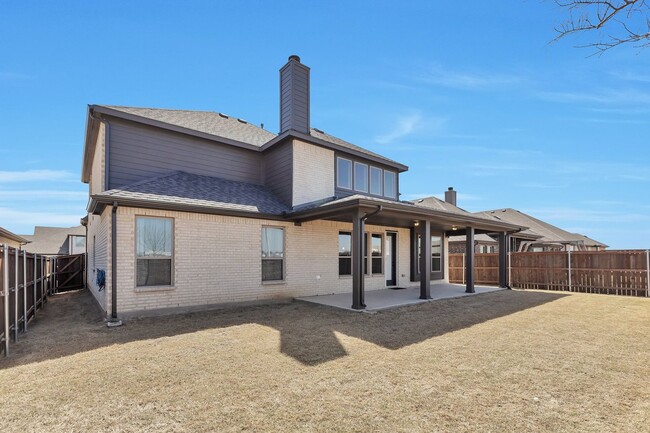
[
  {"x": 389, "y": 298},
  {"x": 422, "y": 221}
]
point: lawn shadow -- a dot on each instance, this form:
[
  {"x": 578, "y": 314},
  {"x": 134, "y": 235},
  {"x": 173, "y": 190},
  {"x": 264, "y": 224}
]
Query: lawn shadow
[{"x": 71, "y": 323}]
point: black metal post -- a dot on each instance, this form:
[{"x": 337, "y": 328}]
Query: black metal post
[
  {"x": 425, "y": 260},
  {"x": 114, "y": 263},
  {"x": 503, "y": 260},
  {"x": 357, "y": 261},
  {"x": 469, "y": 260}
]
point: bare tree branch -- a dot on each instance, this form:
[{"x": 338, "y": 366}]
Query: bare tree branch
[{"x": 625, "y": 22}]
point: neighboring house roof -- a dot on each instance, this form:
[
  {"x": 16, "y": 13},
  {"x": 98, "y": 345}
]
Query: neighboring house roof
[
  {"x": 218, "y": 127},
  {"x": 52, "y": 240},
  {"x": 590, "y": 242},
  {"x": 10, "y": 235},
  {"x": 546, "y": 233},
  {"x": 192, "y": 190},
  {"x": 436, "y": 203},
  {"x": 480, "y": 237}
]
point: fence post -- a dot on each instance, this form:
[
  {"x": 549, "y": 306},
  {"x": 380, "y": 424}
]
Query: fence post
[
  {"x": 5, "y": 292},
  {"x": 16, "y": 255},
  {"x": 42, "y": 282},
  {"x": 463, "y": 268},
  {"x": 647, "y": 268},
  {"x": 34, "y": 283},
  {"x": 510, "y": 269},
  {"x": 569, "y": 260},
  {"x": 24, "y": 291}
]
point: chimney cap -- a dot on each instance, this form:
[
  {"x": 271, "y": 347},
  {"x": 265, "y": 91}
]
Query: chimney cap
[
  {"x": 294, "y": 57},
  {"x": 451, "y": 188}
]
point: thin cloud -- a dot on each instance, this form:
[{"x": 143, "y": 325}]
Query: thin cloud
[
  {"x": 631, "y": 76},
  {"x": 23, "y": 220},
  {"x": 605, "y": 97},
  {"x": 543, "y": 185},
  {"x": 42, "y": 195},
  {"x": 410, "y": 124},
  {"x": 34, "y": 175},
  {"x": 468, "y": 80}
]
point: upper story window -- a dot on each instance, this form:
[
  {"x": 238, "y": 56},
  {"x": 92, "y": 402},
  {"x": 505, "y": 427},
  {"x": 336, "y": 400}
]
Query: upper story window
[
  {"x": 361, "y": 177},
  {"x": 375, "y": 181},
  {"x": 390, "y": 184},
  {"x": 343, "y": 173}
]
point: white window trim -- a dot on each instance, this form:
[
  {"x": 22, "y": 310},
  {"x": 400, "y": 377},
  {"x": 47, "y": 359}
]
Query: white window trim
[
  {"x": 283, "y": 259},
  {"x": 351, "y": 172},
  {"x": 172, "y": 277}
]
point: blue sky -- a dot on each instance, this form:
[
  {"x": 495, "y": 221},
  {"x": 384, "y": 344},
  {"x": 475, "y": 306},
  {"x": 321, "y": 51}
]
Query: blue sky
[{"x": 467, "y": 94}]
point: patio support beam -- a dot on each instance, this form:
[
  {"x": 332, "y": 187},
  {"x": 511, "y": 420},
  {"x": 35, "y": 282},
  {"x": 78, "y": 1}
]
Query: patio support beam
[
  {"x": 425, "y": 259},
  {"x": 358, "y": 301},
  {"x": 503, "y": 260},
  {"x": 469, "y": 260}
]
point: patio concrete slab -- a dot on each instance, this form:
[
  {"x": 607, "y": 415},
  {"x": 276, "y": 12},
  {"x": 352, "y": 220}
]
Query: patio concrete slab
[{"x": 389, "y": 298}]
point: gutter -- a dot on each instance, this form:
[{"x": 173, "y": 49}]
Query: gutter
[{"x": 114, "y": 321}]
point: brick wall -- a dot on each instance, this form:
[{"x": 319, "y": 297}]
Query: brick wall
[
  {"x": 313, "y": 173},
  {"x": 217, "y": 260}
]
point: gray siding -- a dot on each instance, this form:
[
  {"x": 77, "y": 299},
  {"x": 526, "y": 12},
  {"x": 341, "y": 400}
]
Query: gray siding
[
  {"x": 294, "y": 97},
  {"x": 278, "y": 171},
  {"x": 138, "y": 152}
]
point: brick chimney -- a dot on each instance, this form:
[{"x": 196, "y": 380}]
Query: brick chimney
[
  {"x": 294, "y": 96},
  {"x": 450, "y": 196}
]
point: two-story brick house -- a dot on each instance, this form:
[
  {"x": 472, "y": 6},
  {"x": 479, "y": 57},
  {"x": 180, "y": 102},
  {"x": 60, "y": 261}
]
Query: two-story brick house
[{"x": 191, "y": 208}]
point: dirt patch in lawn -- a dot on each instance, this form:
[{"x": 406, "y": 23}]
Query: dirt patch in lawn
[{"x": 502, "y": 361}]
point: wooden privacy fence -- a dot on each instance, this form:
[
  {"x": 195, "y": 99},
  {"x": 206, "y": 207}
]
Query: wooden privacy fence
[
  {"x": 609, "y": 272},
  {"x": 25, "y": 280}
]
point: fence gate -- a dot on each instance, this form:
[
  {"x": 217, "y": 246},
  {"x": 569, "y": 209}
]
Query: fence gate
[{"x": 69, "y": 272}]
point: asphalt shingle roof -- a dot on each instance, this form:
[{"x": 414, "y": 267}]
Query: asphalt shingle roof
[
  {"x": 52, "y": 240},
  {"x": 548, "y": 232},
  {"x": 179, "y": 187},
  {"x": 222, "y": 125},
  {"x": 207, "y": 122},
  {"x": 436, "y": 203}
]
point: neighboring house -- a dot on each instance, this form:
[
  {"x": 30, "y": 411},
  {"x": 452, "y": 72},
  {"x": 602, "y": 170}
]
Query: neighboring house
[
  {"x": 540, "y": 235},
  {"x": 12, "y": 239},
  {"x": 457, "y": 244},
  {"x": 53, "y": 241},
  {"x": 194, "y": 208},
  {"x": 482, "y": 244}
]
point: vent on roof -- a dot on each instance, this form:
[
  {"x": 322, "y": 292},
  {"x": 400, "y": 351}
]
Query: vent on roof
[
  {"x": 241, "y": 121},
  {"x": 223, "y": 115},
  {"x": 318, "y": 130}
]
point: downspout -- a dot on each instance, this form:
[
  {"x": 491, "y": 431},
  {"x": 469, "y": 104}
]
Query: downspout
[
  {"x": 114, "y": 320},
  {"x": 368, "y": 215}
]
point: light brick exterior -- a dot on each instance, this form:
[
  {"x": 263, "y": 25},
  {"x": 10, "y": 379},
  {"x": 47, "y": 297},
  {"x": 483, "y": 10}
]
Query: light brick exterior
[
  {"x": 313, "y": 173},
  {"x": 217, "y": 259}
]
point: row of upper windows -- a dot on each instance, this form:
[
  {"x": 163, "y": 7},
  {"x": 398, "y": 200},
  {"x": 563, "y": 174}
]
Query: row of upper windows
[{"x": 360, "y": 177}]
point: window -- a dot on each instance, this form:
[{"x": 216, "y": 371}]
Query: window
[
  {"x": 343, "y": 173},
  {"x": 345, "y": 253},
  {"x": 377, "y": 254},
  {"x": 375, "y": 181},
  {"x": 154, "y": 238},
  {"x": 389, "y": 184},
  {"x": 272, "y": 254},
  {"x": 80, "y": 242},
  {"x": 436, "y": 254},
  {"x": 360, "y": 177}
]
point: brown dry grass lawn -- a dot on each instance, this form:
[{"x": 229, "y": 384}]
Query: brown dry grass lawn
[{"x": 521, "y": 361}]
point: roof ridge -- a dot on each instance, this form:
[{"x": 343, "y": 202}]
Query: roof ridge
[{"x": 160, "y": 109}]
